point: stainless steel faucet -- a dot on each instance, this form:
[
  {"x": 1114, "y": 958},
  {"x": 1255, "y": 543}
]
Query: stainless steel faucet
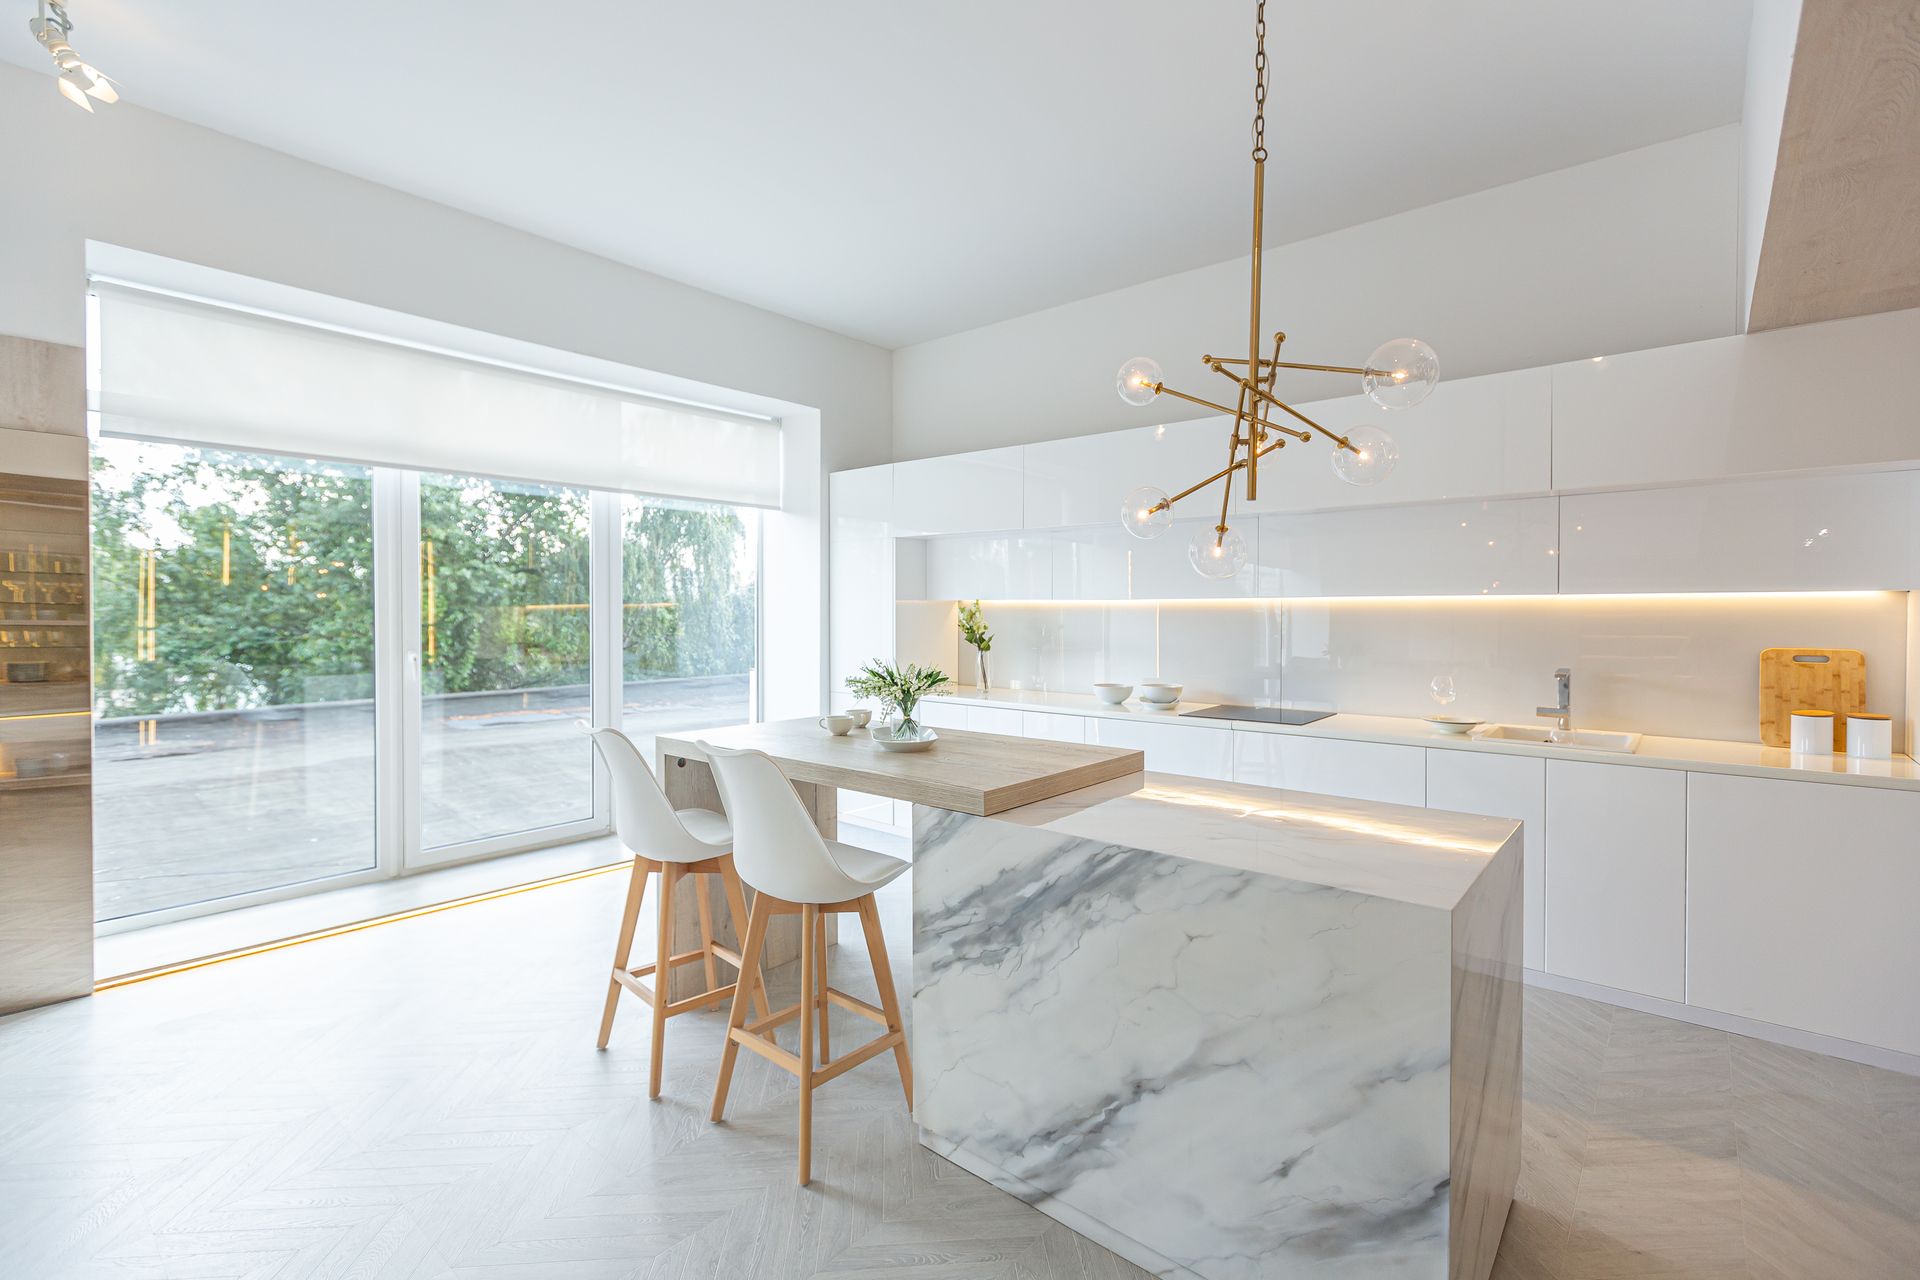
[{"x": 1562, "y": 714}]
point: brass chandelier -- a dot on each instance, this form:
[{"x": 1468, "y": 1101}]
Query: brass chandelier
[{"x": 1398, "y": 375}]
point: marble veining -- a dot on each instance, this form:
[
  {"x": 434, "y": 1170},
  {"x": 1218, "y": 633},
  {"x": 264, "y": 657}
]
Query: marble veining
[{"x": 1208, "y": 1064}]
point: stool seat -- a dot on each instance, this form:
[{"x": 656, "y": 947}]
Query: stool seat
[
  {"x": 864, "y": 867},
  {"x": 707, "y": 827}
]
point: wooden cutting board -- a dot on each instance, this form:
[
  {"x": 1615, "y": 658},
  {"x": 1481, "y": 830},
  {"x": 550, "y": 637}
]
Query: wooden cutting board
[{"x": 1810, "y": 679}]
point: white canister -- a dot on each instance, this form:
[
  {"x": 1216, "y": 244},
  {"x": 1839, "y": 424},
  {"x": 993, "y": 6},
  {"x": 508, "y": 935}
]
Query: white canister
[
  {"x": 1811, "y": 733},
  {"x": 1870, "y": 737}
]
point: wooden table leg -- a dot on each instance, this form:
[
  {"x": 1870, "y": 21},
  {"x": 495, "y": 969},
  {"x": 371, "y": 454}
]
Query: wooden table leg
[{"x": 689, "y": 785}]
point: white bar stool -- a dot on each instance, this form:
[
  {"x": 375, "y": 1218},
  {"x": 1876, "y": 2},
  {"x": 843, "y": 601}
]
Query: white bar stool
[
  {"x": 677, "y": 843},
  {"x": 795, "y": 869}
]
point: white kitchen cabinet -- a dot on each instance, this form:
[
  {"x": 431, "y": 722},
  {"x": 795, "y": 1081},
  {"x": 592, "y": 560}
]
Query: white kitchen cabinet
[
  {"x": 998, "y": 567},
  {"x": 1797, "y": 533},
  {"x": 1192, "y": 750},
  {"x": 979, "y": 492},
  {"x": 1504, "y": 547},
  {"x": 1498, "y": 786},
  {"x": 1485, "y": 437},
  {"x": 1081, "y": 480},
  {"x": 1617, "y": 876},
  {"x": 1053, "y": 726},
  {"x": 941, "y": 715},
  {"x": 1800, "y": 902},
  {"x": 994, "y": 720},
  {"x": 1385, "y": 772},
  {"x": 1108, "y": 563},
  {"x": 861, "y": 573},
  {"x": 1810, "y": 396}
]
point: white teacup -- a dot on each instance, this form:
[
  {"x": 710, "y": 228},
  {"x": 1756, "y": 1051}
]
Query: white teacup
[
  {"x": 838, "y": 726},
  {"x": 861, "y": 716}
]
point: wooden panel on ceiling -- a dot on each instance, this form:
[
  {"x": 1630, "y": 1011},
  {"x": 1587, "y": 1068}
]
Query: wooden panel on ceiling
[{"x": 1843, "y": 223}]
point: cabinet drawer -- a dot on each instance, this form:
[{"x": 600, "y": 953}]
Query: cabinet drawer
[
  {"x": 1195, "y": 752},
  {"x": 1332, "y": 767},
  {"x": 1617, "y": 876}
]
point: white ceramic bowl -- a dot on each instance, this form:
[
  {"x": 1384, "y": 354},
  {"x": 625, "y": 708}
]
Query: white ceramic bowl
[
  {"x": 1452, "y": 724},
  {"x": 1160, "y": 692},
  {"x": 1113, "y": 693}
]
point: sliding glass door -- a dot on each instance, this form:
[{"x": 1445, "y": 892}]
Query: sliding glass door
[
  {"x": 689, "y": 631},
  {"x": 506, "y": 665},
  {"x": 233, "y": 634},
  {"x": 309, "y": 674}
]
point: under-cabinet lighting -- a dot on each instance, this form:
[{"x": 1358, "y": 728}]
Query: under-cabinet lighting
[{"x": 1516, "y": 597}]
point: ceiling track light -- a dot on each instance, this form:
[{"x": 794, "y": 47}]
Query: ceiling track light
[
  {"x": 1398, "y": 375},
  {"x": 78, "y": 80}
]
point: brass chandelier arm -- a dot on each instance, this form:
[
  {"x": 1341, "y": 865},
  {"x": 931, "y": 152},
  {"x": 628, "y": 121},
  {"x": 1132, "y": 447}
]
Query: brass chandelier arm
[
  {"x": 1311, "y": 368},
  {"x": 1161, "y": 388},
  {"x": 1277, "y": 403},
  {"x": 1192, "y": 489}
]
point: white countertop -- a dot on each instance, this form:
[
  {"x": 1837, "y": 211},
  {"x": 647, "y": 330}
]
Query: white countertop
[
  {"x": 1424, "y": 857},
  {"x": 1697, "y": 755}
]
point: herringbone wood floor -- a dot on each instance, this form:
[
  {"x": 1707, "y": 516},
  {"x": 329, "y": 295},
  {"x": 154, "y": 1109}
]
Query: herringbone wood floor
[{"x": 424, "y": 1100}]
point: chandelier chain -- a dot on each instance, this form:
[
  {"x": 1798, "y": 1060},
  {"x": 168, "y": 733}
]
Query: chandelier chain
[{"x": 1260, "y": 81}]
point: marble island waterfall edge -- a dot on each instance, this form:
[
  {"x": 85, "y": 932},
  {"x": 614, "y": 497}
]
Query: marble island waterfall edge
[{"x": 1215, "y": 1065}]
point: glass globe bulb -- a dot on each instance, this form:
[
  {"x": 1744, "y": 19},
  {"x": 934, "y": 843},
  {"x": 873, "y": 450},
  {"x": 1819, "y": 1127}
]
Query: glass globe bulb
[
  {"x": 1216, "y": 556},
  {"x": 1401, "y": 373},
  {"x": 1370, "y": 460},
  {"x": 1145, "y": 512},
  {"x": 1138, "y": 380}
]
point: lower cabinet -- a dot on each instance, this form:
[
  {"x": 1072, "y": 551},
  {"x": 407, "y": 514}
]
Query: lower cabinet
[
  {"x": 942, "y": 715},
  {"x": 1616, "y": 876},
  {"x": 1048, "y": 724},
  {"x": 1190, "y": 750},
  {"x": 994, "y": 720},
  {"x": 1800, "y": 906},
  {"x": 1496, "y": 786},
  {"x": 1379, "y": 771}
]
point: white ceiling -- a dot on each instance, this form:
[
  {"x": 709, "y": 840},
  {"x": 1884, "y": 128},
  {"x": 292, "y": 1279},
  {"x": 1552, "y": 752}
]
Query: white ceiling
[{"x": 897, "y": 170}]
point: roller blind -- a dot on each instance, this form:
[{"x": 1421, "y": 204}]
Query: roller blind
[{"x": 198, "y": 373}]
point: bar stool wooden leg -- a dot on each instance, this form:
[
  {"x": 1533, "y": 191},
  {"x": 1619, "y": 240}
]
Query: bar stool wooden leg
[
  {"x": 737, "y": 904},
  {"x": 889, "y": 998},
  {"x": 821, "y": 923},
  {"x": 809, "y": 922},
  {"x": 623, "y": 949},
  {"x": 750, "y": 949},
  {"x": 706, "y": 931},
  {"x": 662, "y": 974}
]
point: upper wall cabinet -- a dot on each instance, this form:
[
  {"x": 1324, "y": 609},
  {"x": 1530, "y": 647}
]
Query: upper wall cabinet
[
  {"x": 1806, "y": 533},
  {"x": 977, "y": 492},
  {"x": 861, "y": 502},
  {"x": 1442, "y": 549},
  {"x": 997, "y": 567},
  {"x": 1485, "y": 437},
  {"x": 1080, "y": 481},
  {"x": 1814, "y": 396},
  {"x": 1105, "y": 562}
]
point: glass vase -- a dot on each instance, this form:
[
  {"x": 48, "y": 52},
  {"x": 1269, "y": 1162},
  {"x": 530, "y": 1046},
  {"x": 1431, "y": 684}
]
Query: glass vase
[{"x": 980, "y": 668}]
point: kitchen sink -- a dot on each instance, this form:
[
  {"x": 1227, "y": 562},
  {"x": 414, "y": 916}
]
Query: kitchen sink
[{"x": 1573, "y": 739}]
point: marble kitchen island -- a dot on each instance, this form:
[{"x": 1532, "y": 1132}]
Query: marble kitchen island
[{"x": 1227, "y": 1031}]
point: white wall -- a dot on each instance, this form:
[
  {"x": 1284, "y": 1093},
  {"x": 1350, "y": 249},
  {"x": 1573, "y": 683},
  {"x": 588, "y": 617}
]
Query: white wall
[
  {"x": 1770, "y": 44},
  {"x": 1636, "y": 250},
  {"x": 1679, "y": 666},
  {"x": 132, "y": 177}
]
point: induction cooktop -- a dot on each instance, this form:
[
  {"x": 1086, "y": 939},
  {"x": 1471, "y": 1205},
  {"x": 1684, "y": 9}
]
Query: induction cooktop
[{"x": 1267, "y": 715}]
